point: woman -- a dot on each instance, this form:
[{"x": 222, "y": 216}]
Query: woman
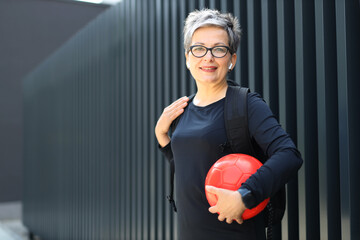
[{"x": 210, "y": 41}]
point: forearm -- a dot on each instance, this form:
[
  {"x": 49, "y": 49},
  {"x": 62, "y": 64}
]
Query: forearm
[
  {"x": 274, "y": 174},
  {"x": 284, "y": 159},
  {"x": 163, "y": 139}
]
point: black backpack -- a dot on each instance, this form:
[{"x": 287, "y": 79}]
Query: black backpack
[{"x": 239, "y": 141}]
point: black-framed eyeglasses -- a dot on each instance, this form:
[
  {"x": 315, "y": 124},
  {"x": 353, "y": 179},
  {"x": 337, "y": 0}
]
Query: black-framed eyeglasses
[{"x": 217, "y": 51}]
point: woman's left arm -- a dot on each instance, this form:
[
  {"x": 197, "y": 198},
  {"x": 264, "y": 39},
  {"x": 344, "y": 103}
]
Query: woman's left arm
[
  {"x": 283, "y": 163},
  {"x": 284, "y": 160}
]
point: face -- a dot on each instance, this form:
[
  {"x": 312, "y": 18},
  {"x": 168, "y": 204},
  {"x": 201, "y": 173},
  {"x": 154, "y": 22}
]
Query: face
[{"x": 209, "y": 69}]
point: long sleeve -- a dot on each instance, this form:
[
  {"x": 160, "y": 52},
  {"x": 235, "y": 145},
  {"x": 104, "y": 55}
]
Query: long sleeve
[
  {"x": 284, "y": 159},
  {"x": 167, "y": 151}
]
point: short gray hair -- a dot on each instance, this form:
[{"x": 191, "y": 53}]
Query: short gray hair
[{"x": 208, "y": 17}]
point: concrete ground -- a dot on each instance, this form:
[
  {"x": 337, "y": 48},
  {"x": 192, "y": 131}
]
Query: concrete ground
[{"x": 11, "y": 227}]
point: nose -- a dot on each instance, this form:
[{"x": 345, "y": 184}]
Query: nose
[{"x": 208, "y": 56}]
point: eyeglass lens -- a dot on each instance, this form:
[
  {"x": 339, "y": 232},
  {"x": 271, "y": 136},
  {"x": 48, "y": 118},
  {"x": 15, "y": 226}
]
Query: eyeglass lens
[{"x": 200, "y": 51}]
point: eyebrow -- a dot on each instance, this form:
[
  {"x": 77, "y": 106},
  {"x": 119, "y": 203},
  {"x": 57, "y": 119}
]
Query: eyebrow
[{"x": 218, "y": 43}]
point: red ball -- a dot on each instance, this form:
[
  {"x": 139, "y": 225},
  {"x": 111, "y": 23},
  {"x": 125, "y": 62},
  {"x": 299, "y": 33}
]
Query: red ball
[{"x": 229, "y": 172}]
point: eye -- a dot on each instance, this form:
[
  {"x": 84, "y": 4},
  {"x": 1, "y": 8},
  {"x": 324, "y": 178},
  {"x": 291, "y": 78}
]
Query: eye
[
  {"x": 220, "y": 50},
  {"x": 198, "y": 49}
]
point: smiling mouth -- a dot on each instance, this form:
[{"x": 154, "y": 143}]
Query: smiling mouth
[{"x": 208, "y": 69}]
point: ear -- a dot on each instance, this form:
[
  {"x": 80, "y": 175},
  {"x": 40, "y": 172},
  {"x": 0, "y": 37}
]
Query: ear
[
  {"x": 233, "y": 61},
  {"x": 187, "y": 60}
]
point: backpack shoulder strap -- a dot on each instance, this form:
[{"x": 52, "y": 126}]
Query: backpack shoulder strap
[
  {"x": 236, "y": 120},
  {"x": 236, "y": 124}
]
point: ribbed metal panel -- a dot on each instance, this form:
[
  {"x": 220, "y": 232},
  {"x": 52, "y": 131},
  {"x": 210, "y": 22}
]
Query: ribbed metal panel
[{"x": 92, "y": 168}]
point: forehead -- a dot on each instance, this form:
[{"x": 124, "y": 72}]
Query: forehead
[{"x": 210, "y": 36}]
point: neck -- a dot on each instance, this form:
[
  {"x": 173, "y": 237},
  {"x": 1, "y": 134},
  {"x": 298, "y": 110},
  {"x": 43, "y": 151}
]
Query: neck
[{"x": 210, "y": 93}]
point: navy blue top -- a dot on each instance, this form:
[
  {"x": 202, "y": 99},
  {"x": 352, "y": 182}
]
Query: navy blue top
[{"x": 195, "y": 148}]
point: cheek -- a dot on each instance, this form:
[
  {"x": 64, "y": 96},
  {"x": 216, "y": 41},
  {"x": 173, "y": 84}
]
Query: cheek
[
  {"x": 194, "y": 62},
  {"x": 224, "y": 65}
]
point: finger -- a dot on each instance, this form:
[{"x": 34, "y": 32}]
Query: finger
[
  {"x": 239, "y": 221},
  {"x": 174, "y": 111},
  {"x": 174, "y": 115},
  {"x": 229, "y": 221},
  {"x": 178, "y": 102},
  {"x": 212, "y": 209},
  {"x": 177, "y": 106},
  {"x": 171, "y": 115},
  {"x": 221, "y": 218},
  {"x": 212, "y": 189}
]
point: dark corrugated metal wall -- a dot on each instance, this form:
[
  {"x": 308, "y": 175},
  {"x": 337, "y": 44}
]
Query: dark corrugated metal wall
[{"x": 92, "y": 170}]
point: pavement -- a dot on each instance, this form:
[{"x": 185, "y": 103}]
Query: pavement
[{"x": 11, "y": 227}]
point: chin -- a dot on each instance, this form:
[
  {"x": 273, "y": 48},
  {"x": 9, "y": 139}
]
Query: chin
[{"x": 208, "y": 79}]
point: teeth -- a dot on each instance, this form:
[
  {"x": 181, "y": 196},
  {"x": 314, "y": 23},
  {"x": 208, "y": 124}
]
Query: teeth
[{"x": 208, "y": 68}]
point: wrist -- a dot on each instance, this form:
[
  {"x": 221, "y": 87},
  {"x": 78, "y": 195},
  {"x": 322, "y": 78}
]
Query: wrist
[
  {"x": 247, "y": 198},
  {"x": 163, "y": 139},
  {"x": 160, "y": 131}
]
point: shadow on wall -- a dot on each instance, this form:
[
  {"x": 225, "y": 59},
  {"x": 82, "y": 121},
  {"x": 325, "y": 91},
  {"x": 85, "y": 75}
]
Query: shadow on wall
[{"x": 30, "y": 31}]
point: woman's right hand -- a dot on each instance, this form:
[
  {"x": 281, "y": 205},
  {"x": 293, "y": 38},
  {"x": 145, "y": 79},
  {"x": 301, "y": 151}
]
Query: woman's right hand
[{"x": 169, "y": 114}]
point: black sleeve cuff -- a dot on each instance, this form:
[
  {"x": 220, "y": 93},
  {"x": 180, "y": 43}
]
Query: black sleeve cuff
[
  {"x": 167, "y": 151},
  {"x": 247, "y": 197}
]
